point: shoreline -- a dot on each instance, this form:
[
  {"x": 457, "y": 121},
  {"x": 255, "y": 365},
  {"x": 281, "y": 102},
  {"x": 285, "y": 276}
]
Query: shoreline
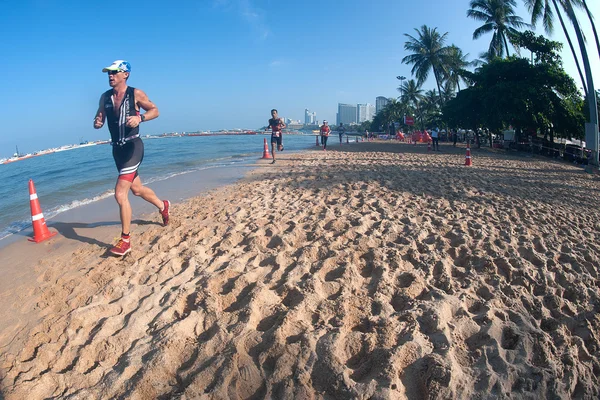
[{"x": 378, "y": 270}]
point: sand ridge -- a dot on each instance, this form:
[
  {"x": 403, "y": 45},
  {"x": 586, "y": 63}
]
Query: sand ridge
[{"x": 376, "y": 271}]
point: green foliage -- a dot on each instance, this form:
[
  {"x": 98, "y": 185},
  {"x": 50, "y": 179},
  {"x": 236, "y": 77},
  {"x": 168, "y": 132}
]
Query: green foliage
[
  {"x": 514, "y": 92},
  {"x": 545, "y": 51},
  {"x": 394, "y": 111},
  {"x": 364, "y": 126}
]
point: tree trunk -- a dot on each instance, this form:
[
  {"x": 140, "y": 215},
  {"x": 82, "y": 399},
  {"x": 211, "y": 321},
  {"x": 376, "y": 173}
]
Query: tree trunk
[
  {"x": 592, "y": 104},
  {"x": 587, "y": 10},
  {"x": 505, "y": 45},
  {"x": 437, "y": 80},
  {"x": 562, "y": 23}
]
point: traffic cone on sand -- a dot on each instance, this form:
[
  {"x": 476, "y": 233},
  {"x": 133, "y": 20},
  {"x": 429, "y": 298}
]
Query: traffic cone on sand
[
  {"x": 266, "y": 153},
  {"x": 40, "y": 229},
  {"x": 468, "y": 156}
]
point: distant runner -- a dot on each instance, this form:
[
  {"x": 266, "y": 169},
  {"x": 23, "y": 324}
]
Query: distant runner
[
  {"x": 276, "y": 124},
  {"x": 325, "y": 129},
  {"x": 341, "y": 130},
  {"x": 121, "y": 106}
]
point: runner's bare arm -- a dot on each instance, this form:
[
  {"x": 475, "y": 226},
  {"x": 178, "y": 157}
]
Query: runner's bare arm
[
  {"x": 282, "y": 124},
  {"x": 100, "y": 116},
  {"x": 145, "y": 104}
]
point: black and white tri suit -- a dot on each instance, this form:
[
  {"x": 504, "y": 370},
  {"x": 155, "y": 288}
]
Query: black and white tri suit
[{"x": 127, "y": 147}]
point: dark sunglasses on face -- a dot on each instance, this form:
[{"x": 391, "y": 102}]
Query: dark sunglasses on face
[{"x": 113, "y": 72}]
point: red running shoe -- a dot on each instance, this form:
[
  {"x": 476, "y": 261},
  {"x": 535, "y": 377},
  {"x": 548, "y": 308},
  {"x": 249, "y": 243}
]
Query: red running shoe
[
  {"x": 165, "y": 212},
  {"x": 121, "y": 248}
]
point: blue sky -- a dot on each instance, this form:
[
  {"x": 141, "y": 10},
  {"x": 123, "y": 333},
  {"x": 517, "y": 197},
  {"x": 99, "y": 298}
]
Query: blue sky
[{"x": 211, "y": 64}]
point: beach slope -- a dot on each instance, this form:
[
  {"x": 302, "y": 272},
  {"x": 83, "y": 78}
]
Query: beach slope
[{"x": 375, "y": 271}]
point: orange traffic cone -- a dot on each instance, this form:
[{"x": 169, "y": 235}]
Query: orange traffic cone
[
  {"x": 429, "y": 146},
  {"x": 468, "y": 156},
  {"x": 40, "y": 229},
  {"x": 266, "y": 153}
]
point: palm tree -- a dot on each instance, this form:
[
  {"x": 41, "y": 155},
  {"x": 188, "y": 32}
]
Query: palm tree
[
  {"x": 542, "y": 9},
  {"x": 448, "y": 91},
  {"x": 457, "y": 63},
  {"x": 411, "y": 92},
  {"x": 589, "y": 14},
  {"x": 498, "y": 16},
  {"x": 484, "y": 59},
  {"x": 428, "y": 53},
  {"x": 539, "y": 7}
]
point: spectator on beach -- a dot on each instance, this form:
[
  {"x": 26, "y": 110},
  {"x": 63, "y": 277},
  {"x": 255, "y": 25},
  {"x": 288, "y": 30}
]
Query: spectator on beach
[
  {"x": 325, "y": 129},
  {"x": 276, "y": 124},
  {"x": 120, "y": 106},
  {"x": 454, "y": 137},
  {"x": 435, "y": 139},
  {"x": 341, "y": 131},
  {"x": 392, "y": 130}
]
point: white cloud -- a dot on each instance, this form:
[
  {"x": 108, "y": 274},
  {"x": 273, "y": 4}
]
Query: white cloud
[{"x": 255, "y": 17}]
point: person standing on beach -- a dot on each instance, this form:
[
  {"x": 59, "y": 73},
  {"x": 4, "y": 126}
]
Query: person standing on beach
[
  {"x": 276, "y": 124},
  {"x": 341, "y": 130},
  {"x": 325, "y": 129},
  {"x": 435, "y": 138},
  {"x": 121, "y": 107}
]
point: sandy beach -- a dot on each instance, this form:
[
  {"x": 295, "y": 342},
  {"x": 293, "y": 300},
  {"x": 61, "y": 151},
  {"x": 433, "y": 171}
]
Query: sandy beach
[{"x": 370, "y": 271}]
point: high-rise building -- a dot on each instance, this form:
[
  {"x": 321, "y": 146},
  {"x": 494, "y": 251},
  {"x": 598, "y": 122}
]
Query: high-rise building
[
  {"x": 346, "y": 113},
  {"x": 364, "y": 112},
  {"x": 309, "y": 117},
  {"x": 380, "y": 103}
]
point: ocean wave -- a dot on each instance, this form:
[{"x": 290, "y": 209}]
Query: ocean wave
[
  {"x": 77, "y": 203},
  {"x": 14, "y": 228},
  {"x": 19, "y": 226},
  {"x": 239, "y": 160}
]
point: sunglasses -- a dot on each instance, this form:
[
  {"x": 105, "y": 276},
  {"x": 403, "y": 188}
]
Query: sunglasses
[{"x": 113, "y": 72}]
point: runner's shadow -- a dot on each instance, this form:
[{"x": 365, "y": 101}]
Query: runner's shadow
[{"x": 68, "y": 229}]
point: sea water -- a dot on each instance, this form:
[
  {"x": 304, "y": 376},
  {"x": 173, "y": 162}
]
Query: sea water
[{"x": 69, "y": 179}]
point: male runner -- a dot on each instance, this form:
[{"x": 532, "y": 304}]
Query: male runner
[
  {"x": 341, "y": 130},
  {"x": 276, "y": 124},
  {"x": 121, "y": 107},
  {"x": 325, "y": 129}
]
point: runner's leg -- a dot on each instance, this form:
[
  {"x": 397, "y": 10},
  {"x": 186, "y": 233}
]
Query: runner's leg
[
  {"x": 138, "y": 189},
  {"x": 121, "y": 195}
]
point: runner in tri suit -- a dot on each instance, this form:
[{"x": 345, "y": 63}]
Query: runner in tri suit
[
  {"x": 341, "y": 130},
  {"x": 121, "y": 107},
  {"x": 325, "y": 129},
  {"x": 276, "y": 124}
]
